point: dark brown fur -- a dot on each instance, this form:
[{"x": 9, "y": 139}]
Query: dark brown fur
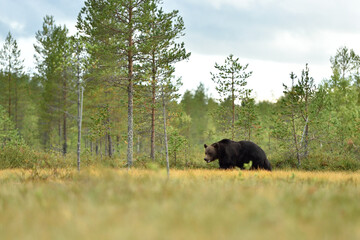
[{"x": 235, "y": 154}]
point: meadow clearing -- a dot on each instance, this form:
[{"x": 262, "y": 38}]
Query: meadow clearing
[{"x": 193, "y": 204}]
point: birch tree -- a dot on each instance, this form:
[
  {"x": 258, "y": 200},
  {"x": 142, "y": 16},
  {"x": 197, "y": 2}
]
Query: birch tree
[
  {"x": 299, "y": 102},
  {"x": 79, "y": 64},
  {"x": 168, "y": 93}
]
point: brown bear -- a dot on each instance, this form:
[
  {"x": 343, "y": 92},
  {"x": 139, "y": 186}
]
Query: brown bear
[{"x": 235, "y": 154}]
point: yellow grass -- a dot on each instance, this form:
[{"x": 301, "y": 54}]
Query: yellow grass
[
  {"x": 192, "y": 204},
  {"x": 332, "y": 177}
]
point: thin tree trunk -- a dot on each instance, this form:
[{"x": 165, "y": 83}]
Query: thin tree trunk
[
  {"x": 106, "y": 145},
  {"x": 249, "y": 127},
  {"x": 306, "y": 140},
  {"x": 118, "y": 144},
  {"x": 59, "y": 146},
  {"x": 9, "y": 93},
  {"x": 79, "y": 122},
  {"x": 16, "y": 104},
  {"x": 138, "y": 143},
  {"x": 130, "y": 117},
  {"x": 100, "y": 150},
  {"x": 294, "y": 127},
  {"x": 130, "y": 95},
  {"x": 97, "y": 147},
  {"x": 65, "y": 136},
  {"x": 175, "y": 158},
  {"x": 186, "y": 156},
  {"x": 306, "y": 124},
  {"x": 110, "y": 148},
  {"x": 233, "y": 108},
  {"x": 86, "y": 142},
  {"x": 165, "y": 137},
  {"x": 64, "y": 119},
  {"x": 295, "y": 139},
  {"x": 305, "y": 137},
  {"x": 152, "y": 153},
  {"x": 91, "y": 147}
]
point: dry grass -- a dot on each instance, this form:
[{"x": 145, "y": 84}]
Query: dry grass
[{"x": 192, "y": 204}]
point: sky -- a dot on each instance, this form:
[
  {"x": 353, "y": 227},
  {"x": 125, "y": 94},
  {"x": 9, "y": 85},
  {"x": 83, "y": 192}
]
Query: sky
[{"x": 275, "y": 37}]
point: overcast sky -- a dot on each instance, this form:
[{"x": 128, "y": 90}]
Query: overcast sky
[{"x": 275, "y": 37}]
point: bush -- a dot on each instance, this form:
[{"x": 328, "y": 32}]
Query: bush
[
  {"x": 9, "y": 136},
  {"x": 331, "y": 162},
  {"x": 17, "y": 157}
]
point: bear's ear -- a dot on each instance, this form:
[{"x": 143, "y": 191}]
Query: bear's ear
[
  {"x": 216, "y": 145},
  {"x": 205, "y": 146}
]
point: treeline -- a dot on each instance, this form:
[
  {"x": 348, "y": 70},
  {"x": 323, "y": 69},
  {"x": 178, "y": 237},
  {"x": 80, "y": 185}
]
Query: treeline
[{"x": 109, "y": 93}]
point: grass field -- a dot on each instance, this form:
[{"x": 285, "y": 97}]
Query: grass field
[{"x": 192, "y": 204}]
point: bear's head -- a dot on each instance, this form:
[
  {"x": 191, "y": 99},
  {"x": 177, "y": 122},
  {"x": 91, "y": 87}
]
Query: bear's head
[{"x": 211, "y": 152}]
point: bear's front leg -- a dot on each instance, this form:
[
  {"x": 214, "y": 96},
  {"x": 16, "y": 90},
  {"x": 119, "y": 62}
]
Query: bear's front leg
[{"x": 223, "y": 165}]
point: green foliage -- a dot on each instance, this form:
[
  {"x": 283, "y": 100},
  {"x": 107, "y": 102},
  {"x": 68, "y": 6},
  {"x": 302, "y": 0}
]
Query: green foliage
[
  {"x": 124, "y": 55},
  {"x": 15, "y": 156},
  {"x": 230, "y": 81},
  {"x": 9, "y": 135},
  {"x": 248, "y": 117},
  {"x": 231, "y": 78},
  {"x": 345, "y": 63},
  {"x": 10, "y": 56},
  {"x": 99, "y": 123},
  {"x": 177, "y": 144},
  {"x": 299, "y": 109},
  {"x": 248, "y": 166},
  {"x": 12, "y": 81},
  {"x": 53, "y": 61},
  {"x": 196, "y": 106}
]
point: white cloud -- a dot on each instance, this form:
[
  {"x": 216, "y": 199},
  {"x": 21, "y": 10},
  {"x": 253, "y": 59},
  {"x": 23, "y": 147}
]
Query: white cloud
[
  {"x": 27, "y": 52},
  {"x": 266, "y": 81},
  {"x": 333, "y": 40},
  {"x": 309, "y": 7},
  {"x": 291, "y": 42},
  {"x": 296, "y": 31},
  {"x": 16, "y": 26},
  {"x": 13, "y": 25},
  {"x": 70, "y": 25},
  {"x": 239, "y": 4},
  {"x": 274, "y": 36}
]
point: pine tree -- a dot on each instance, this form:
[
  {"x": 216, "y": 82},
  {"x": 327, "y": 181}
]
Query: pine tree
[
  {"x": 162, "y": 50},
  {"x": 52, "y": 57},
  {"x": 345, "y": 61},
  {"x": 10, "y": 59},
  {"x": 248, "y": 114},
  {"x": 113, "y": 30},
  {"x": 231, "y": 78}
]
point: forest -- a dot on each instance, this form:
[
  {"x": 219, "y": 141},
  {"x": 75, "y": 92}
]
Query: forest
[{"x": 108, "y": 96}]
